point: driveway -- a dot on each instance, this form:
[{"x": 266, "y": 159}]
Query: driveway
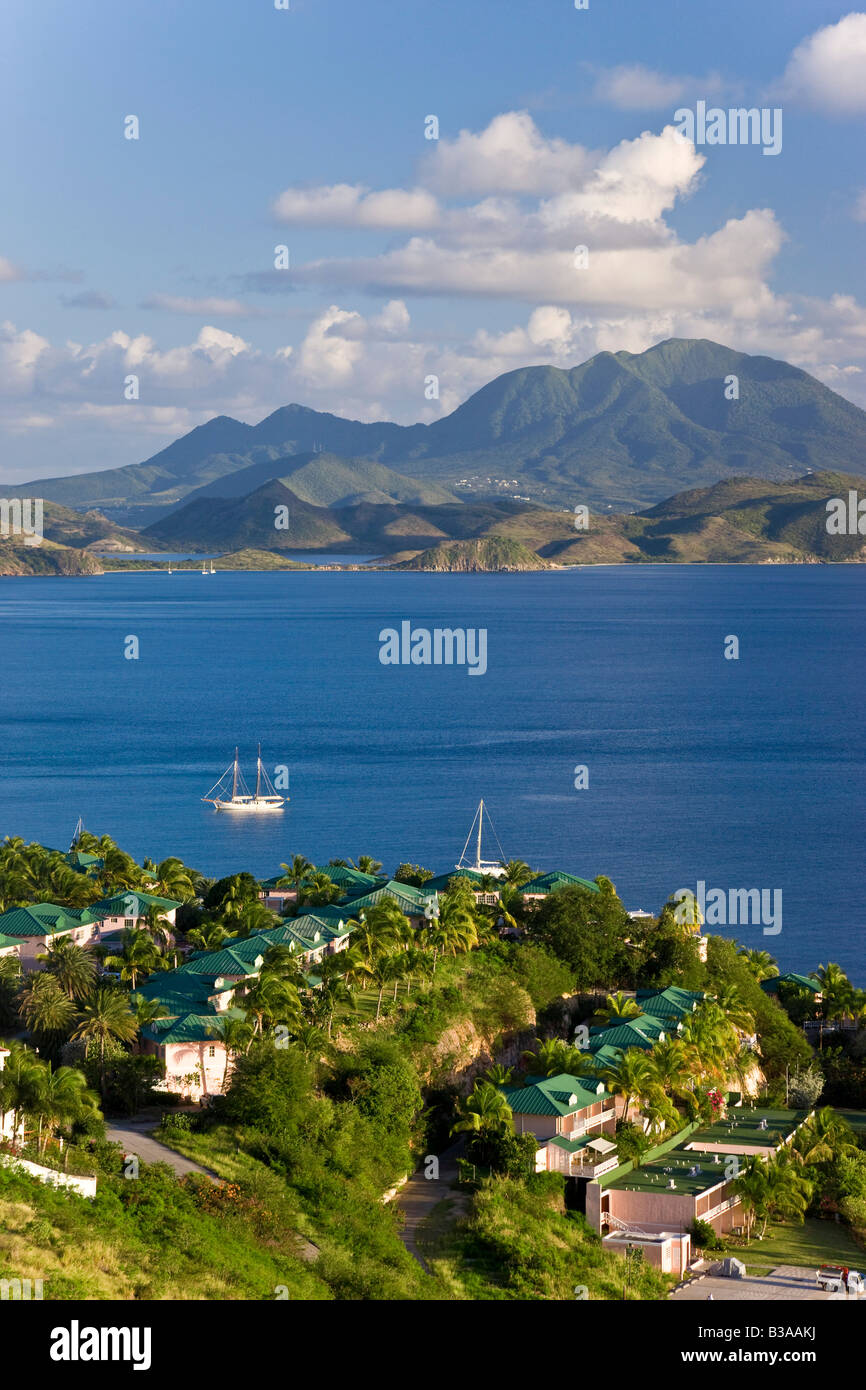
[
  {"x": 136, "y": 1136},
  {"x": 788, "y": 1283}
]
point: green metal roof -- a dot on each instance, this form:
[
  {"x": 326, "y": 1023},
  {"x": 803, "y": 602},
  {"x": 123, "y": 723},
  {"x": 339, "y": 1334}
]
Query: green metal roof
[
  {"x": 641, "y": 1032},
  {"x": 669, "y": 1003},
  {"x": 441, "y": 881},
  {"x": 120, "y": 905},
  {"x": 771, "y": 986},
  {"x": 411, "y": 901},
  {"x": 218, "y": 963},
  {"x": 557, "y": 878},
  {"x": 554, "y": 1095},
  {"x": 41, "y": 919},
  {"x": 186, "y": 1028},
  {"x": 6, "y": 941}
]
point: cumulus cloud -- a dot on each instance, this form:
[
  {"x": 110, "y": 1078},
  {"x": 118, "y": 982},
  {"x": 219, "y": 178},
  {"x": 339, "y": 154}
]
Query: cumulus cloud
[
  {"x": 826, "y": 70},
  {"x": 510, "y": 156},
  {"x": 635, "y": 87}
]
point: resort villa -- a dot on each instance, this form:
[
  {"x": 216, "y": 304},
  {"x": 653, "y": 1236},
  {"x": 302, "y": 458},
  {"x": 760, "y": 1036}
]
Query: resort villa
[
  {"x": 688, "y": 1178},
  {"x": 573, "y": 1119},
  {"x": 36, "y": 926}
]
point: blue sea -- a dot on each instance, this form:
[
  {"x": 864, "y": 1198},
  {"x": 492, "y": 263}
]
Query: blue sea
[{"x": 738, "y": 773}]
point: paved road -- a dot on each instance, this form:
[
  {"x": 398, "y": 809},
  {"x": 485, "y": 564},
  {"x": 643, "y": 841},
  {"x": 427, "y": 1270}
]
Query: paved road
[
  {"x": 136, "y": 1137},
  {"x": 420, "y": 1195},
  {"x": 788, "y": 1283}
]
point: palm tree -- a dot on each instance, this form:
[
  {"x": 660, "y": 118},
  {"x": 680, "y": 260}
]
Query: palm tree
[
  {"x": 73, "y": 966},
  {"x": 318, "y": 890},
  {"x": 295, "y": 873},
  {"x": 761, "y": 963},
  {"x": 516, "y": 872},
  {"x": 731, "y": 1002},
  {"x": 19, "y": 1084},
  {"x": 672, "y": 1065},
  {"x": 312, "y": 1041},
  {"x": 273, "y": 999},
  {"x": 147, "y": 1010},
  {"x": 752, "y": 1187},
  {"x": 62, "y": 1096},
  {"x": 366, "y": 865},
  {"x": 788, "y": 1190},
  {"x": 485, "y": 1112},
  {"x": 173, "y": 880},
  {"x": 618, "y": 1006},
  {"x": 549, "y": 1057},
  {"x": 329, "y": 997},
  {"x": 498, "y": 1075},
  {"x": 106, "y": 1014},
  {"x": 630, "y": 1076},
  {"x": 138, "y": 956},
  {"x": 208, "y": 936},
  {"x": 382, "y": 970},
  {"x": 236, "y": 1035},
  {"x": 157, "y": 926},
  {"x": 45, "y": 1007},
  {"x": 823, "y": 1137}
]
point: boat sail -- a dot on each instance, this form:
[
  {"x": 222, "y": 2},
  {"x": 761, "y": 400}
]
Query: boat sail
[
  {"x": 481, "y": 866},
  {"x": 241, "y": 799}
]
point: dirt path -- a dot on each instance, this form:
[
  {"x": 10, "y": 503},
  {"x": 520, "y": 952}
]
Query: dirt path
[{"x": 421, "y": 1194}]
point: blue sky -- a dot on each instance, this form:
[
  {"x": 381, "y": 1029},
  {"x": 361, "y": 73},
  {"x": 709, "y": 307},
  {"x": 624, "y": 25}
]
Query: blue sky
[{"x": 409, "y": 257}]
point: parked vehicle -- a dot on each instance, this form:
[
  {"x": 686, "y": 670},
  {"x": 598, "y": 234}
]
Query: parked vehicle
[{"x": 838, "y": 1278}]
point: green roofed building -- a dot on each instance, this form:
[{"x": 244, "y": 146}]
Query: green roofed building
[
  {"x": 35, "y": 926},
  {"x": 124, "y": 909},
  {"x": 575, "y": 1110},
  {"x": 771, "y": 986},
  {"x": 196, "y": 1062},
  {"x": 671, "y": 1003},
  {"x": 643, "y": 1032},
  {"x": 544, "y": 884},
  {"x": 415, "y": 903}
]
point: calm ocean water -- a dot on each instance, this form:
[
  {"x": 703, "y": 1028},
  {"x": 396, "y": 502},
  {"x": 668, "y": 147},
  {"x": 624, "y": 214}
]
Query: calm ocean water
[{"x": 743, "y": 773}]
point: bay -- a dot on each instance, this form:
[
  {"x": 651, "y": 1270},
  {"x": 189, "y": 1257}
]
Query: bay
[{"x": 741, "y": 773}]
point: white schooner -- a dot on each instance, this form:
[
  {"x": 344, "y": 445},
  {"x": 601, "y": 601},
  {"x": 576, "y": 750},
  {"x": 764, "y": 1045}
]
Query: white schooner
[{"x": 242, "y": 799}]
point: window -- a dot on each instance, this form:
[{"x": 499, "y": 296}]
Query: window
[
  {"x": 211, "y": 1052},
  {"x": 129, "y": 921}
]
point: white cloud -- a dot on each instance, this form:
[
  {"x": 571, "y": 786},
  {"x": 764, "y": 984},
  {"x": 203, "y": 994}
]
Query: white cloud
[
  {"x": 510, "y": 156},
  {"x": 352, "y": 205},
  {"x": 859, "y": 210},
  {"x": 637, "y": 88},
  {"x": 826, "y": 70}
]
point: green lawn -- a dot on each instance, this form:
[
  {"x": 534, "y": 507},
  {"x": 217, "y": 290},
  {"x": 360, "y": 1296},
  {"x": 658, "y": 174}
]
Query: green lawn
[{"x": 812, "y": 1244}]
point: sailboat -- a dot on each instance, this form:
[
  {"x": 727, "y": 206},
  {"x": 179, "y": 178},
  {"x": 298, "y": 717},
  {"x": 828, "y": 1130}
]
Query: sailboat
[
  {"x": 212, "y": 570},
  {"x": 204, "y": 567},
  {"x": 481, "y": 866},
  {"x": 241, "y": 799},
  {"x": 169, "y": 566}
]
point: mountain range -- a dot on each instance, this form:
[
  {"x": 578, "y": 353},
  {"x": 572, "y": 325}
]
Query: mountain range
[{"x": 622, "y": 431}]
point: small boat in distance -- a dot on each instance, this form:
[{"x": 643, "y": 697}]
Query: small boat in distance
[
  {"x": 241, "y": 799},
  {"x": 493, "y": 867}
]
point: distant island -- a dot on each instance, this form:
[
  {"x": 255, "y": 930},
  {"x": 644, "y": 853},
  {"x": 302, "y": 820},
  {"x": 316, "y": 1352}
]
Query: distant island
[{"x": 687, "y": 453}]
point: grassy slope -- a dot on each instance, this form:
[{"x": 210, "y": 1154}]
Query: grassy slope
[
  {"x": 146, "y": 1239},
  {"x": 812, "y": 1244}
]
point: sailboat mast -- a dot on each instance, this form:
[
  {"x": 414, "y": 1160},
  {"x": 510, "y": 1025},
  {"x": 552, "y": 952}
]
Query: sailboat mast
[
  {"x": 480, "y": 824},
  {"x": 235, "y": 777},
  {"x": 259, "y": 772}
]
